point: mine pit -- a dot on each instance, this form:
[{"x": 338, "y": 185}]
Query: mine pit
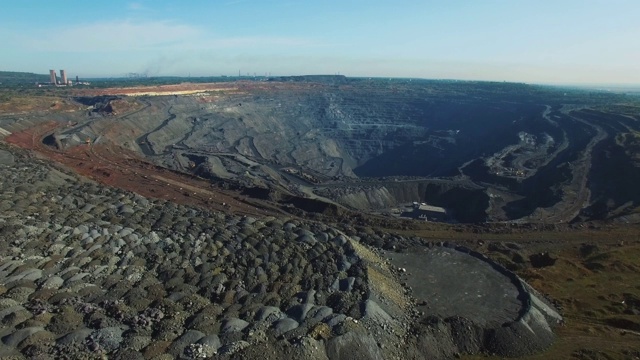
[{"x": 260, "y": 220}]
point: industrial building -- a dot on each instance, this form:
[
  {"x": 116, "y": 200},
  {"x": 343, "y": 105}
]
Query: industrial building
[
  {"x": 53, "y": 79},
  {"x": 63, "y": 76}
]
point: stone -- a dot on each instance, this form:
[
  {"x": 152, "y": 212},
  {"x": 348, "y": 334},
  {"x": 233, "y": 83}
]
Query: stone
[
  {"x": 109, "y": 338},
  {"x": 233, "y": 325},
  {"x": 306, "y": 239},
  {"x": 285, "y": 325},
  {"x": 211, "y": 342},
  {"x": 18, "y": 336},
  {"x": 269, "y": 314},
  {"x": 14, "y": 315},
  {"x": 335, "y": 320},
  {"x": 7, "y": 303},
  {"x": 27, "y": 275},
  {"x": 373, "y": 311},
  {"x": 188, "y": 338},
  {"x": 78, "y": 336},
  {"x": 319, "y": 313},
  {"x": 299, "y": 312},
  {"x": 77, "y": 277}
]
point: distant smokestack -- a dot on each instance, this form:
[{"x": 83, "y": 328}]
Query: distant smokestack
[
  {"x": 52, "y": 75},
  {"x": 63, "y": 75}
]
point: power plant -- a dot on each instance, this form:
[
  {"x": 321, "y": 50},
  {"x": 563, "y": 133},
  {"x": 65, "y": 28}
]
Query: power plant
[
  {"x": 63, "y": 75},
  {"x": 53, "y": 78}
]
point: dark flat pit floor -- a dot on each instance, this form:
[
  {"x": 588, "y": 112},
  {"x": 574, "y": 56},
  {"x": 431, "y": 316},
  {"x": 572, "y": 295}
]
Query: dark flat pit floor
[{"x": 457, "y": 284}]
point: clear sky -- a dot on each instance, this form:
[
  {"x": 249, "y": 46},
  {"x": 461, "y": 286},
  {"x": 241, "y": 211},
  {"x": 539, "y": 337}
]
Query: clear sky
[{"x": 540, "y": 41}]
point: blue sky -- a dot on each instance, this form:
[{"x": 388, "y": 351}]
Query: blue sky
[{"x": 540, "y": 41}]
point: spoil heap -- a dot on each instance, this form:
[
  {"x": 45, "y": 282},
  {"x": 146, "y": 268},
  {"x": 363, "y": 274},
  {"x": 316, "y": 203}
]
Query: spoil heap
[{"x": 88, "y": 271}]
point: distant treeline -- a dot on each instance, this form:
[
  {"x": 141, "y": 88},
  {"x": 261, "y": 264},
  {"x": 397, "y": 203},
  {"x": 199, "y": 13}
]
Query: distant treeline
[
  {"x": 12, "y": 78},
  {"x": 328, "y": 79}
]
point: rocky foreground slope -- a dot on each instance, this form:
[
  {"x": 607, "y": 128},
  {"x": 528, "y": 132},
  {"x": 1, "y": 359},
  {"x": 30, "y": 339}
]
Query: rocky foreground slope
[{"x": 88, "y": 272}]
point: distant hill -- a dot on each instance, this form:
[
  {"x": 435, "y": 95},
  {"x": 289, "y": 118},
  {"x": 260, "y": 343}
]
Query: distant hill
[
  {"x": 17, "y": 78},
  {"x": 328, "y": 79}
]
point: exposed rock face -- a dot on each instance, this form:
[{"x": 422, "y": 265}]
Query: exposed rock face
[
  {"x": 514, "y": 151},
  {"x": 467, "y": 201}
]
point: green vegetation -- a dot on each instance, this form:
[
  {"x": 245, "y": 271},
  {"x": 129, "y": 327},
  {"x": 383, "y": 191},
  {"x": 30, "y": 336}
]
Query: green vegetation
[
  {"x": 17, "y": 79},
  {"x": 5, "y": 96}
]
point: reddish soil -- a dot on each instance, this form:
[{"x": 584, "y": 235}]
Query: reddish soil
[{"x": 114, "y": 166}]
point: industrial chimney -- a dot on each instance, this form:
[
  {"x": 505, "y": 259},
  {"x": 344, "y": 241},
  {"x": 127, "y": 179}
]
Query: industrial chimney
[
  {"x": 63, "y": 75},
  {"x": 52, "y": 75}
]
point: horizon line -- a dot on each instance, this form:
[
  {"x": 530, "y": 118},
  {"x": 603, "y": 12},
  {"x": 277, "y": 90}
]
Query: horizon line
[{"x": 543, "y": 83}]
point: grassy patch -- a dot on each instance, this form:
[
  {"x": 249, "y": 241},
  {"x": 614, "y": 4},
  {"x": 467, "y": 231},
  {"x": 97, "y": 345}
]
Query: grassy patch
[
  {"x": 17, "y": 103},
  {"x": 600, "y": 306}
]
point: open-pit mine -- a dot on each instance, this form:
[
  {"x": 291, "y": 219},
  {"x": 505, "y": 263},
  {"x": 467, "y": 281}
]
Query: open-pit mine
[{"x": 319, "y": 217}]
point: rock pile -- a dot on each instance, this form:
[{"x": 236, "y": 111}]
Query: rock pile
[
  {"x": 87, "y": 271},
  {"x": 93, "y": 272}
]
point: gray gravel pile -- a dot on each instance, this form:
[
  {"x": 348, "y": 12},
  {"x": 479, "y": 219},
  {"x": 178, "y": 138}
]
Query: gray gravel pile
[
  {"x": 88, "y": 271},
  {"x": 92, "y": 272}
]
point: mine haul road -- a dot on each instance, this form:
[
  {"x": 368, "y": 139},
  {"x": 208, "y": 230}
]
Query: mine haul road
[{"x": 576, "y": 194}]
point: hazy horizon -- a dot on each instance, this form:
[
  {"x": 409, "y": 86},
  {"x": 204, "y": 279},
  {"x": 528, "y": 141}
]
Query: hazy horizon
[
  {"x": 574, "y": 42},
  {"x": 596, "y": 86}
]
